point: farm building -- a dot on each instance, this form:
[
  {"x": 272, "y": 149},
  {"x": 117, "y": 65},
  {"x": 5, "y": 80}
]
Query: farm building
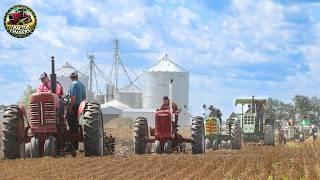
[
  {"x": 112, "y": 110},
  {"x": 132, "y": 102},
  {"x": 131, "y": 95},
  {"x": 63, "y": 74},
  {"x": 156, "y": 85}
]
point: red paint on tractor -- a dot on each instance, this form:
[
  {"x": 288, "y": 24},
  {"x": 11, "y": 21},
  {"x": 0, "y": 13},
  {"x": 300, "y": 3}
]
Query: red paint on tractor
[
  {"x": 81, "y": 108},
  {"x": 15, "y": 17},
  {"x": 43, "y": 113},
  {"x": 23, "y": 110},
  {"x": 163, "y": 125}
]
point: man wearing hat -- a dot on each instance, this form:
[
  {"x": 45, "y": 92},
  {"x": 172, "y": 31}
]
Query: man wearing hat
[
  {"x": 45, "y": 85},
  {"x": 77, "y": 93},
  {"x": 166, "y": 104}
]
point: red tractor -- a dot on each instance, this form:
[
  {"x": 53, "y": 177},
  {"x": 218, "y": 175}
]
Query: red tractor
[
  {"x": 19, "y": 16},
  {"x": 47, "y": 132},
  {"x": 165, "y": 134}
]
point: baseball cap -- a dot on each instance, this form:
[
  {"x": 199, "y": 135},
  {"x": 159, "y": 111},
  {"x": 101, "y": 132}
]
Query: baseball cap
[
  {"x": 43, "y": 75},
  {"x": 165, "y": 97},
  {"x": 74, "y": 74}
]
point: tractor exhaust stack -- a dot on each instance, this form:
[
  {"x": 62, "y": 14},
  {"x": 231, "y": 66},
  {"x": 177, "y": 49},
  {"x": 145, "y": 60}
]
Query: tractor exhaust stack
[
  {"x": 252, "y": 105},
  {"x": 170, "y": 97},
  {"x": 53, "y": 78}
]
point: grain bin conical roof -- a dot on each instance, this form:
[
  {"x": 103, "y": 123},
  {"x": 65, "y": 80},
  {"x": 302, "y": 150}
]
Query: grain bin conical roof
[
  {"x": 66, "y": 70},
  {"x": 165, "y": 65}
]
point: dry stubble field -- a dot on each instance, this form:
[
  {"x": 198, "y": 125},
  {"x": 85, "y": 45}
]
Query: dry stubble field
[{"x": 293, "y": 161}]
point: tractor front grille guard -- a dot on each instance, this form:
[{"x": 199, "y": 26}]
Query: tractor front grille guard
[{"x": 43, "y": 113}]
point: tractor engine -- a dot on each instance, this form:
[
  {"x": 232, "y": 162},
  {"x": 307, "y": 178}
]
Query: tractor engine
[
  {"x": 44, "y": 113},
  {"x": 163, "y": 125}
]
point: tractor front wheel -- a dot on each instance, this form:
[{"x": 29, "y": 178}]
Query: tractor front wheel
[
  {"x": 93, "y": 139},
  {"x": 197, "y": 136},
  {"x": 50, "y": 146},
  {"x": 168, "y": 147},
  {"x": 34, "y": 147},
  {"x": 215, "y": 144},
  {"x": 158, "y": 147},
  {"x": 140, "y": 136},
  {"x": 208, "y": 144},
  {"x": 12, "y": 131}
]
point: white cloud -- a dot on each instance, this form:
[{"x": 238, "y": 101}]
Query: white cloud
[{"x": 213, "y": 46}]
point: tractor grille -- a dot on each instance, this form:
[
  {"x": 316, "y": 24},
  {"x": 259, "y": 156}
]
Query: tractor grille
[
  {"x": 43, "y": 113},
  {"x": 211, "y": 126},
  {"x": 35, "y": 113}
]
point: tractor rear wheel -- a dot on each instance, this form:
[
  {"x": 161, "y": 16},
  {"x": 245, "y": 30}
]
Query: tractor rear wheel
[
  {"x": 158, "y": 147},
  {"x": 12, "y": 129},
  {"x": 93, "y": 139},
  {"x": 140, "y": 136},
  {"x": 168, "y": 147},
  {"x": 50, "y": 146},
  {"x": 197, "y": 136},
  {"x": 34, "y": 147},
  {"x": 235, "y": 134},
  {"x": 268, "y": 135}
]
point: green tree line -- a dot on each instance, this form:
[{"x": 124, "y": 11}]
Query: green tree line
[{"x": 299, "y": 107}]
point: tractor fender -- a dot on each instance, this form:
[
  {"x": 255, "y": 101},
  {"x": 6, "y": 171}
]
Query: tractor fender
[
  {"x": 81, "y": 108},
  {"x": 23, "y": 110}
]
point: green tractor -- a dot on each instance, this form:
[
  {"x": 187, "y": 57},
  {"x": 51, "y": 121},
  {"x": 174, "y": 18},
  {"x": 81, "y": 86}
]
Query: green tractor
[
  {"x": 215, "y": 137},
  {"x": 255, "y": 128}
]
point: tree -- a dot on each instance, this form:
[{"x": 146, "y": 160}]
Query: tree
[
  {"x": 315, "y": 108},
  {"x": 276, "y": 109},
  {"x": 26, "y": 95},
  {"x": 302, "y": 104},
  {"x": 271, "y": 108}
]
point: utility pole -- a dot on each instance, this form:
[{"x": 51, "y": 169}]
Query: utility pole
[{"x": 117, "y": 63}]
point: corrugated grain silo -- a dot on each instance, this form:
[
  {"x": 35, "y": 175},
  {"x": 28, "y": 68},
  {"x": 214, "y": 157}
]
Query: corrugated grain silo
[
  {"x": 63, "y": 74},
  {"x": 131, "y": 95},
  {"x": 156, "y": 85}
]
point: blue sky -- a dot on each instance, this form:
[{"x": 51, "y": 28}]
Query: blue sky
[{"x": 232, "y": 48}]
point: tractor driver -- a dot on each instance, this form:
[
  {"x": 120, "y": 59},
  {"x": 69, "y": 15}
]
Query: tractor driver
[
  {"x": 77, "y": 93},
  {"x": 45, "y": 85},
  {"x": 215, "y": 112},
  {"x": 166, "y": 106},
  {"x": 249, "y": 109}
]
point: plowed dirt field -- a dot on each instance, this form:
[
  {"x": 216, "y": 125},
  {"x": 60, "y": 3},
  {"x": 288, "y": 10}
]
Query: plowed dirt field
[{"x": 291, "y": 161}]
